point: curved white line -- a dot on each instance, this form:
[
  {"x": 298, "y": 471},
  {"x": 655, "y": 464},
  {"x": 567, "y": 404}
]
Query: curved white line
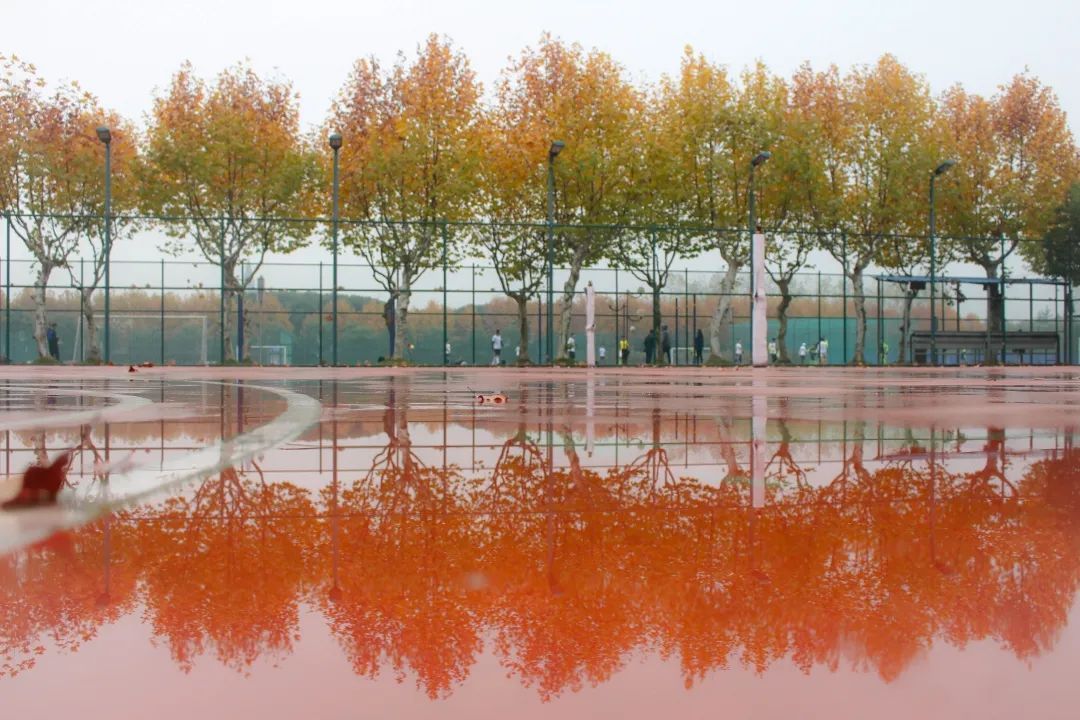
[
  {"x": 22, "y": 527},
  {"x": 47, "y": 420}
]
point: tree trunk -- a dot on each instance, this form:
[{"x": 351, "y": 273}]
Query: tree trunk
[
  {"x": 781, "y": 317},
  {"x": 388, "y": 320},
  {"x": 720, "y": 340},
  {"x": 905, "y": 323},
  {"x": 856, "y": 277},
  {"x": 40, "y": 319},
  {"x": 566, "y": 311},
  {"x": 995, "y": 298},
  {"x": 658, "y": 358},
  {"x": 523, "y": 325},
  {"x": 401, "y": 319},
  {"x": 93, "y": 348}
]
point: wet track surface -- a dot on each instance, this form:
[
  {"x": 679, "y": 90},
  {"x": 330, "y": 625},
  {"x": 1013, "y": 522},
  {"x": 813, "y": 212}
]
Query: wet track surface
[{"x": 795, "y": 543}]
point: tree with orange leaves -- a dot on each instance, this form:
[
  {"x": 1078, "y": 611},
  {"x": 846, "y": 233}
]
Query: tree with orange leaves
[
  {"x": 52, "y": 177},
  {"x": 410, "y": 162},
  {"x": 228, "y": 160}
]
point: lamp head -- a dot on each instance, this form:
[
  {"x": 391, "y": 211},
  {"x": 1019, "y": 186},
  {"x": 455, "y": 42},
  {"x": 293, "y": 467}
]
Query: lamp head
[
  {"x": 335, "y": 140},
  {"x": 944, "y": 167},
  {"x": 104, "y": 135},
  {"x": 556, "y": 148},
  {"x": 760, "y": 158}
]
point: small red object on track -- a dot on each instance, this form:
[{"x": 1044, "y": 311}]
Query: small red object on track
[{"x": 491, "y": 399}]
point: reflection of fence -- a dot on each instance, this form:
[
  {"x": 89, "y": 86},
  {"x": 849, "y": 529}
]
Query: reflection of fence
[{"x": 295, "y": 307}]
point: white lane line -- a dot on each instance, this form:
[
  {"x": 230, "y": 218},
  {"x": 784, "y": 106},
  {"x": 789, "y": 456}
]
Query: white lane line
[
  {"x": 48, "y": 419},
  {"x": 22, "y": 527}
]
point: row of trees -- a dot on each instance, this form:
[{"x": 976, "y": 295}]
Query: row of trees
[{"x": 426, "y": 149}]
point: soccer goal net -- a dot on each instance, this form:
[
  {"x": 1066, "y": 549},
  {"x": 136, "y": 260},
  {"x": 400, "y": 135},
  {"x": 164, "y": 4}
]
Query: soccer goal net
[{"x": 136, "y": 338}]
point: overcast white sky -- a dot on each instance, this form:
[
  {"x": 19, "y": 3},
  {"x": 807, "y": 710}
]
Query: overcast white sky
[{"x": 122, "y": 50}]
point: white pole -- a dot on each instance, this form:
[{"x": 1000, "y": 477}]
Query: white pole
[
  {"x": 758, "y": 343},
  {"x": 590, "y": 325}
]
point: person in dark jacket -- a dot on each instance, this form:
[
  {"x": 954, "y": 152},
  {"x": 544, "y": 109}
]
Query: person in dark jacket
[
  {"x": 699, "y": 346},
  {"x": 650, "y": 347},
  {"x": 665, "y": 344},
  {"x": 53, "y": 341}
]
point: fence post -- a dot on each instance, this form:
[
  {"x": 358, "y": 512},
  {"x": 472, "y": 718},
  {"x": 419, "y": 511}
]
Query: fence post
[
  {"x": 843, "y": 285},
  {"x": 82, "y": 310},
  {"x": 687, "y": 338},
  {"x": 882, "y": 359},
  {"x": 618, "y": 336},
  {"x": 473, "y": 305},
  {"x": 162, "y": 311},
  {"x": 445, "y": 329},
  {"x": 221, "y": 291},
  {"x": 819, "y": 306},
  {"x": 7, "y": 291},
  {"x": 319, "y": 304}
]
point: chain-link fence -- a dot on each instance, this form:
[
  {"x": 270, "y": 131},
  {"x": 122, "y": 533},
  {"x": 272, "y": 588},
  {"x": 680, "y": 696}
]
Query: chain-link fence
[{"x": 181, "y": 306}]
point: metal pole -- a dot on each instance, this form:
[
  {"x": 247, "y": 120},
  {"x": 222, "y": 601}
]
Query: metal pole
[
  {"x": 82, "y": 312},
  {"x": 108, "y": 240},
  {"x": 750, "y": 236},
  {"x": 320, "y": 308},
  {"x": 334, "y": 233},
  {"x": 162, "y": 311},
  {"x": 221, "y": 291},
  {"x": 1003, "y": 328},
  {"x": 843, "y": 286},
  {"x": 7, "y": 291},
  {"x": 882, "y": 358},
  {"x": 240, "y": 314},
  {"x": 550, "y": 257},
  {"x": 473, "y": 335},
  {"x": 933, "y": 274},
  {"x": 445, "y": 328}
]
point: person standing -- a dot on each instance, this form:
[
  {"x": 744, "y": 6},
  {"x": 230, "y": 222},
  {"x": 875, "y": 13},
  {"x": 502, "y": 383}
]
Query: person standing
[
  {"x": 884, "y": 352},
  {"x": 665, "y": 344},
  {"x": 802, "y": 354},
  {"x": 823, "y": 352},
  {"x": 571, "y": 348},
  {"x": 650, "y": 347},
  {"x": 699, "y": 346},
  {"x": 446, "y": 354},
  {"x": 624, "y": 351},
  {"x": 496, "y": 348},
  {"x": 601, "y": 355},
  {"x": 53, "y": 341},
  {"x": 738, "y": 352},
  {"x": 772, "y": 351}
]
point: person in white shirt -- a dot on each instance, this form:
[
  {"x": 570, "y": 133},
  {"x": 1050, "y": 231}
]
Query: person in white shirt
[
  {"x": 571, "y": 347},
  {"x": 802, "y": 353},
  {"x": 496, "y": 348},
  {"x": 772, "y": 351},
  {"x": 602, "y": 354},
  {"x": 446, "y": 354},
  {"x": 823, "y": 352},
  {"x": 738, "y": 352}
]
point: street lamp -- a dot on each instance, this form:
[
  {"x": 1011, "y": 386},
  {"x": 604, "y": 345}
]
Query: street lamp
[
  {"x": 939, "y": 170},
  {"x": 335, "y": 145},
  {"x": 553, "y": 152},
  {"x": 760, "y": 158},
  {"x": 105, "y": 136}
]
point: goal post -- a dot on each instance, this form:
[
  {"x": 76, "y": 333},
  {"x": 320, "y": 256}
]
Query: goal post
[{"x": 139, "y": 335}]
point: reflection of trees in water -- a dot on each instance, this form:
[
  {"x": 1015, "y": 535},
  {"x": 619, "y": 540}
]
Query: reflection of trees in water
[{"x": 570, "y": 571}]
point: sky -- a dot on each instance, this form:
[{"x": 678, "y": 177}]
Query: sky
[{"x": 124, "y": 50}]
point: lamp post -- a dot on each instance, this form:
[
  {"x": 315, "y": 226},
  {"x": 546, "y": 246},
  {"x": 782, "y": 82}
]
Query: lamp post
[
  {"x": 553, "y": 152},
  {"x": 105, "y": 136},
  {"x": 335, "y": 145},
  {"x": 939, "y": 170},
  {"x": 760, "y": 158}
]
